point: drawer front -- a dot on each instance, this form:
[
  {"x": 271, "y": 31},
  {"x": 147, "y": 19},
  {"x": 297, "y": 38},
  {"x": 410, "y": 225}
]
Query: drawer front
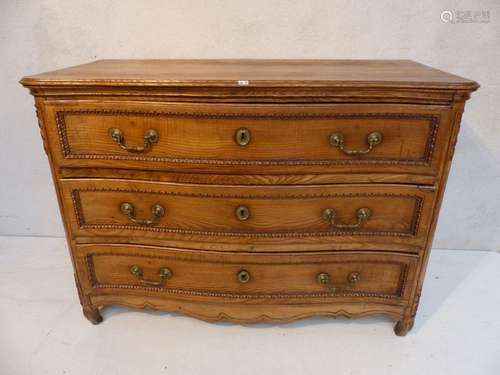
[
  {"x": 247, "y": 276},
  {"x": 250, "y": 214},
  {"x": 246, "y": 138}
]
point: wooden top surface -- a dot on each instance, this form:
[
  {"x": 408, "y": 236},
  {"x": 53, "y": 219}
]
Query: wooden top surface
[{"x": 272, "y": 73}]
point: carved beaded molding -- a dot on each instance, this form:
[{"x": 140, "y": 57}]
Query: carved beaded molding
[
  {"x": 424, "y": 161},
  {"x": 89, "y": 263},
  {"x": 80, "y": 219}
]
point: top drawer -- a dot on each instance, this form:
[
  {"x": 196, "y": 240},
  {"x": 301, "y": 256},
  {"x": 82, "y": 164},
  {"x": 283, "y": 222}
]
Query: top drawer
[{"x": 250, "y": 138}]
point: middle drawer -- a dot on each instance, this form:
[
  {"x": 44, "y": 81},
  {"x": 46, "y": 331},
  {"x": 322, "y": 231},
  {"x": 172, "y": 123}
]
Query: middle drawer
[{"x": 242, "y": 214}]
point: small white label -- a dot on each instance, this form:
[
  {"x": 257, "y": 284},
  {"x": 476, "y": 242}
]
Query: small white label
[{"x": 243, "y": 83}]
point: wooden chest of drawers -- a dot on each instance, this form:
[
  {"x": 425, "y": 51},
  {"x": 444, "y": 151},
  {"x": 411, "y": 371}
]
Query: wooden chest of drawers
[{"x": 250, "y": 190}]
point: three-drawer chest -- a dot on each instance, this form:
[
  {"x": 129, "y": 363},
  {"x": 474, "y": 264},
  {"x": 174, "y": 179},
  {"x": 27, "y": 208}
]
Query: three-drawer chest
[{"x": 250, "y": 190}]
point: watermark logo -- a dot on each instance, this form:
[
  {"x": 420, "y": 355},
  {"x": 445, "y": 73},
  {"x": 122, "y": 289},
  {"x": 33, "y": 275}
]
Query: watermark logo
[{"x": 465, "y": 16}]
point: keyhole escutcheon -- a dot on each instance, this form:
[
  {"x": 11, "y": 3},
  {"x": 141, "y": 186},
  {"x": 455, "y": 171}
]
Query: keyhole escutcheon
[
  {"x": 242, "y": 213},
  {"x": 242, "y": 136}
]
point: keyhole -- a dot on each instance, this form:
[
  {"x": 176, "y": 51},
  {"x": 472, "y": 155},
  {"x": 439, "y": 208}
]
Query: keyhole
[
  {"x": 242, "y": 213},
  {"x": 242, "y": 136}
]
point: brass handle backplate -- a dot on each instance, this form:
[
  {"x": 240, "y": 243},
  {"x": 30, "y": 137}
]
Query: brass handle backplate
[
  {"x": 150, "y": 137},
  {"x": 353, "y": 278},
  {"x": 373, "y": 139},
  {"x": 128, "y": 209},
  {"x": 363, "y": 215},
  {"x": 164, "y": 273},
  {"x": 242, "y": 136},
  {"x": 243, "y": 276},
  {"x": 242, "y": 213}
]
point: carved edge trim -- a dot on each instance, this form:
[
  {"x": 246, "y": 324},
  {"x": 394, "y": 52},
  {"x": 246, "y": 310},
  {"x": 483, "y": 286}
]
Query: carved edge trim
[
  {"x": 458, "y": 121},
  {"x": 205, "y": 293},
  {"x": 411, "y": 310},
  {"x": 413, "y": 230},
  {"x": 403, "y": 278},
  {"x": 223, "y": 316},
  {"x": 434, "y": 121},
  {"x": 41, "y": 127}
]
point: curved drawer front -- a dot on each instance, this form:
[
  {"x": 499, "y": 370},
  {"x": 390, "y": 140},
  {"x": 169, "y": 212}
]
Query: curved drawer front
[
  {"x": 302, "y": 138},
  {"x": 235, "y": 213},
  {"x": 247, "y": 276}
]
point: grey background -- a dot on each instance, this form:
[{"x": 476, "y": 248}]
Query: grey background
[{"x": 36, "y": 36}]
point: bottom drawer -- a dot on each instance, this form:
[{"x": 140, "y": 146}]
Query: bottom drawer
[{"x": 242, "y": 276}]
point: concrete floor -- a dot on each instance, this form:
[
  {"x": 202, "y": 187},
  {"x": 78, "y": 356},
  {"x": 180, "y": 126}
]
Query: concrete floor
[{"x": 42, "y": 330}]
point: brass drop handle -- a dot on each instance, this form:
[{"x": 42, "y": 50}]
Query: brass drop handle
[
  {"x": 324, "y": 279},
  {"x": 165, "y": 274},
  {"x": 128, "y": 209},
  {"x": 242, "y": 136},
  {"x": 373, "y": 139},
  {"x": 150, "y": 137},
  {"x": 363, "y": 215}
]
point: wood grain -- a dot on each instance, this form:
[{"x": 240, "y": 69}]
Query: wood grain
[
  {"x": 283, "y": 138},
  {"x": 399, "y": 213},
  {"x": 283, "y": 73},
  {"x": 286, "y": 176},
  {"x": 276, "y": 278}
]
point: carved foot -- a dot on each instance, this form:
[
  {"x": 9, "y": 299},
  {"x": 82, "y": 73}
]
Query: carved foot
[
  {"x": 93, "y": 315},
  {"x": 403, "y": 326}
]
